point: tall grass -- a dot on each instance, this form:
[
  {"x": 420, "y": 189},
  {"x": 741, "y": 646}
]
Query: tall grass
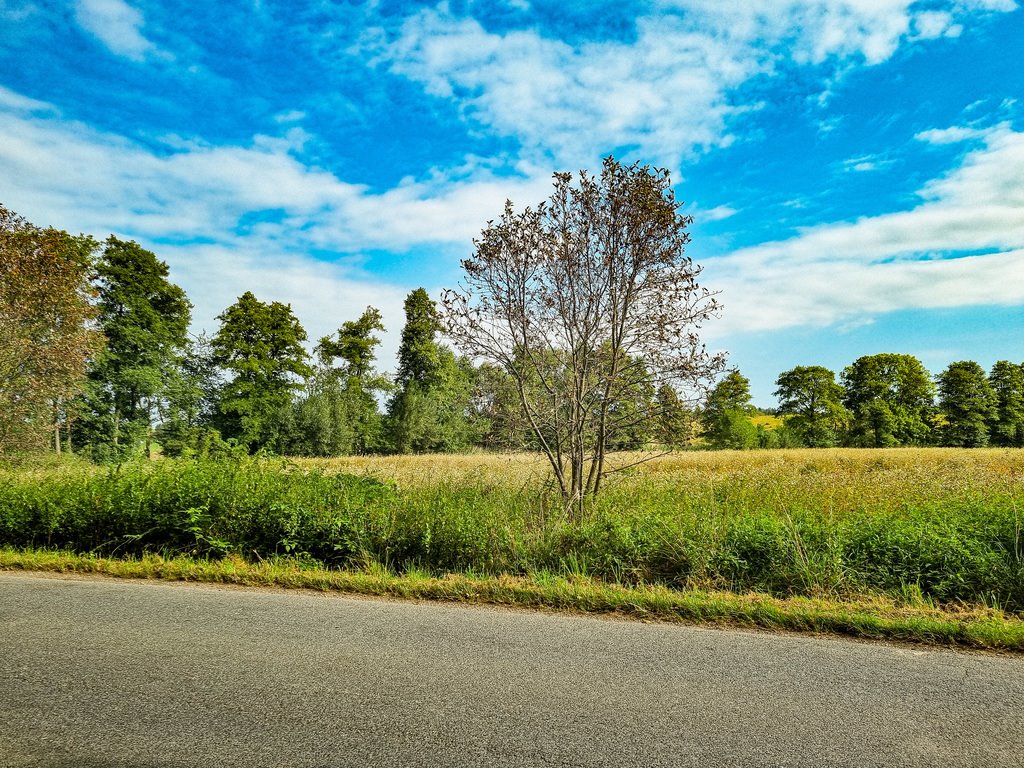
[{"x": 941, "y": 526}]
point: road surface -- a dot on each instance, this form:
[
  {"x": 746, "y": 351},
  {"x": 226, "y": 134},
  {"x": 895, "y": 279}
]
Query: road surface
[{"x": 98, "y": 673}]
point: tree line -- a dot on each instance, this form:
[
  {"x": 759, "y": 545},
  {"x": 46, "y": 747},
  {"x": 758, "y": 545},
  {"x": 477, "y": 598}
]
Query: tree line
[
  {"x": 96, "y": 356},
  {"x": 879, "y": 401}
]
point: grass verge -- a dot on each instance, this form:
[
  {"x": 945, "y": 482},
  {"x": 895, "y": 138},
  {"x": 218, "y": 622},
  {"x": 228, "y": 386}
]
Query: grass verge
[{"x": 878, "y": 618}]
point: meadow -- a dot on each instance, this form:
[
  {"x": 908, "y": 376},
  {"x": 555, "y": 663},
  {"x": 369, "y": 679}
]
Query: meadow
[{"x": 934, "y": 529}]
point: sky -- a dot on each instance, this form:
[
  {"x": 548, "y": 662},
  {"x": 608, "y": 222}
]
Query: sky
[{"x": 855, "y": 168}]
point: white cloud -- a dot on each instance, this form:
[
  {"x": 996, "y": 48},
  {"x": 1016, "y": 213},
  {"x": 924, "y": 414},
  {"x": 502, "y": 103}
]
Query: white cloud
[
  {"x": 952, "y": 135},
  {"x": 665, "y": 91},
  {"x": 668, "y": 93},
  {"x": 117, "y": 25},
  {"x": 18, "y": 103},
  {"x": 837, "y": 273},
  {"x": 718, "y": 213},
  {"x": 73, "y": 173},
  {"x": 246, "y": 216}
]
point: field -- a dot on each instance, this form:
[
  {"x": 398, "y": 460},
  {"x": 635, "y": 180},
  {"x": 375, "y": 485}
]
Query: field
[{"x": 899, "y": 533}]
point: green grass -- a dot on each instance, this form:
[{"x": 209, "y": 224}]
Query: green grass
[
  {"x": 934, "y": 532},
  {"x": 876, "y": 618}
]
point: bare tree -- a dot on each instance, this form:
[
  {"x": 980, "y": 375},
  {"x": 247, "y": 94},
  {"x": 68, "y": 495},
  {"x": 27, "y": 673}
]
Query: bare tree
[{"x": 585, "y": 301}]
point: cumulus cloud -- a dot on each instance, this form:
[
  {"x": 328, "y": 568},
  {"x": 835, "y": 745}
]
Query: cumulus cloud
[
  {"x": 323, "y": 295},
  {"x": 671, "y": 91},
  {"x": 961, "y": 245},
  {"x": 665, "y": 91},
  {"x": 74, "y": 173},
  {"x": 117, "y": 25},
  {"x": 234, "y": 218}
]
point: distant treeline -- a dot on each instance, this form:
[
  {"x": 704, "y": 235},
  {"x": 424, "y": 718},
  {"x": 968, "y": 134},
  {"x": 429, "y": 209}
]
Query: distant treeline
[
  {"x": 95, "y": 357},
  {"x": 879, "y": 401}
]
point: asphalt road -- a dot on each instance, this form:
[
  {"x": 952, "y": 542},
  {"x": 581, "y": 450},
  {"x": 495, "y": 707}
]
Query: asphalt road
[{"x": 111, "y": 673}]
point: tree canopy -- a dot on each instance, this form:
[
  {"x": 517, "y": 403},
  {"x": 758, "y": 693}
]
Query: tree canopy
[
  {"x": 811, "y": 398},
  {"x": 145, "y": 320},
  {"x": 580, "y": 300},
  {"x": 46, "y": 337},
  {"x": 260, "y": 345},
  {"x": 891, "y": 398},
  {"x": 725, "y": 413},
  {"x": 968, "y": 403}
]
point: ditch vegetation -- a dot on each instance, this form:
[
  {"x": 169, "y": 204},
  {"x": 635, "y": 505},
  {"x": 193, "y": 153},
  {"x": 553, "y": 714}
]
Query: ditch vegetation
[{"x": 920, "y": 544}]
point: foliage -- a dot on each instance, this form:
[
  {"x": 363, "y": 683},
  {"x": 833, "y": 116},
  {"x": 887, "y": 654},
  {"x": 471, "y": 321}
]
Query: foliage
[
  {"x": 337, "y": 413},
  {"x": 418, "y": 352},
  {"x": 201, "y": 507},
  {"x": 940, "y": 525},
  {"x": 891, "y": 399},
  {"x": 144, "y": 318},
  {"x": 437, "y": 416},
  {"x": 495, "y": 406},
  {"x": 968, "y": 403},
  {"x": 811, "y": 398},
  {"x": 355, "y": 344},
  {"x": 675, "y": 422},
  {"x": 582, "y": 300},
  {"x": 191, "y": 393},
  {"x": 725, "y": 414},
  {"x": 45, "y": 334},
  {"x": 1007, "y": 422},
  {"x": 432, "y": 408},
  {"x": 261, "y": 346}
]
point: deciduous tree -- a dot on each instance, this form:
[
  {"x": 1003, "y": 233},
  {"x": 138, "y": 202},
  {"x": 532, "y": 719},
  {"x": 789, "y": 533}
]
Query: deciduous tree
[
  {"x": 1006, "y": 426},
  {"x": 891, "y": 398},
  {"x": 46, "y": 337},
  {"x": 338, "y": 413},
  {"x": 580, "y": 300},
  {"x": 144, "y": 318},
  {"x": 726, "y": 413},
  {"x": 812, "y": 400},
  {"x": 260, "y": 346},
  {"x": 967, "y": 401},
  {"x": 431, "y": 409}
]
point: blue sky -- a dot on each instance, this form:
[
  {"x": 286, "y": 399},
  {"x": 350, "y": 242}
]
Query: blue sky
[{"x": 855, "y": 167}]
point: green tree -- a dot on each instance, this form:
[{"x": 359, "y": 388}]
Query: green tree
[
  {"x": 727, "y": 411},
  {"x": 145, "y": 319},
  {"x": 338, "y": 414},
  {"x": 431, "y": 409},
  {"x": 188, "y": 415},
  {"x": 812, "y": 400},
  {"x": 45, "y": 334},
  {"x": 1006, "y": 426},
  {"x": 260, "y": 346},
  {"x": 419, "y": 353},
  {"x": 675, "y": 421},
  {"x": 355, "y": 344},
  {"x": 967, "y": 401},
  {"x": 891, "y": 398},
  {"x": 495, "y": 405}
]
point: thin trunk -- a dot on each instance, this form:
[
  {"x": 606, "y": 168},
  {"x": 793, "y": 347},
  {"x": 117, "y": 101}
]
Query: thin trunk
[{"x": 555, "y": 461}]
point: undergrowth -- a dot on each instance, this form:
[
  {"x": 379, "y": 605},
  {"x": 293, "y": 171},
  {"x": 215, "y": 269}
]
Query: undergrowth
[{"x": 934, "y": 527}]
